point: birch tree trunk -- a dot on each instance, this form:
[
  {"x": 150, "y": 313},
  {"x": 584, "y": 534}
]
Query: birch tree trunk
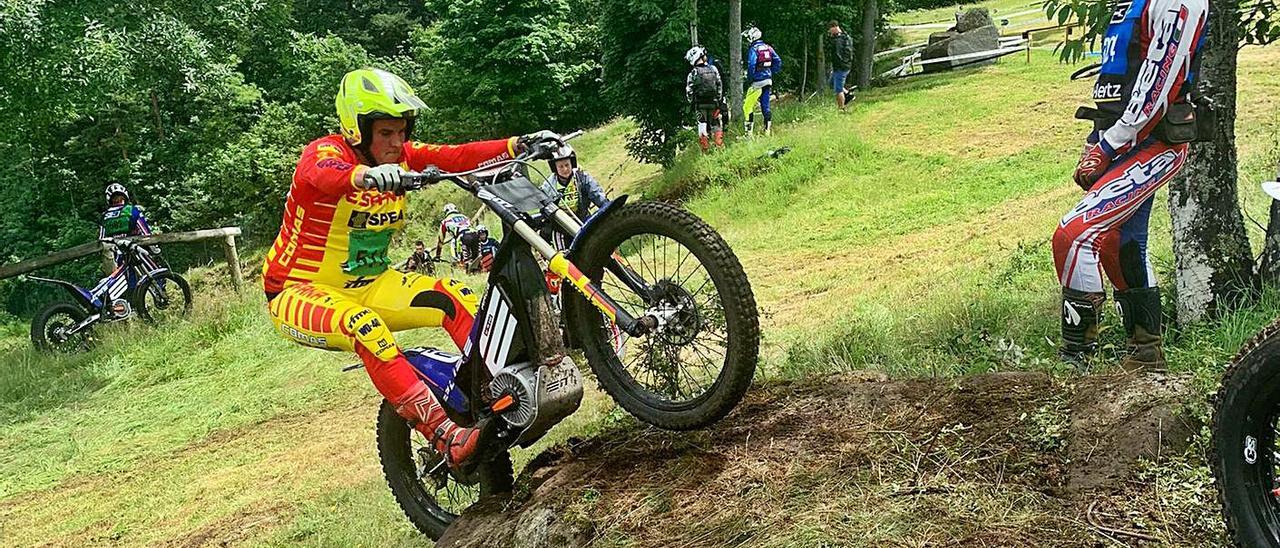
[
  {"x": 865, "y": 61},
  {"x": 693, "y": 23},
  {"x": 1214, "y": 263},
  {"x": 735, "y": 59}
]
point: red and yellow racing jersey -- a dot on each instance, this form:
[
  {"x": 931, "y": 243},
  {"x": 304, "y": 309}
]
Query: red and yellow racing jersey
[{"x": 336, "y": 234}]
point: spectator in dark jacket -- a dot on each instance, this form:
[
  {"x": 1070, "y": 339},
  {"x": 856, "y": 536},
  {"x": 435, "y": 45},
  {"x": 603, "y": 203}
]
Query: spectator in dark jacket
[{"x": 842, "y": 61}]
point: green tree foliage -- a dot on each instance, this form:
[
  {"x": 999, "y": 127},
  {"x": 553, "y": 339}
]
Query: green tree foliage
[
  {"x": 201, "y": 108},
  {"x": 512, "y": 66},
  {"x": 644, "y": 43}
]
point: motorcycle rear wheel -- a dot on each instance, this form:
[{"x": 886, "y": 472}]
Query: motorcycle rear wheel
[
  {"x": 45, "y": 334},
  {"x": 431, "y": 497}
]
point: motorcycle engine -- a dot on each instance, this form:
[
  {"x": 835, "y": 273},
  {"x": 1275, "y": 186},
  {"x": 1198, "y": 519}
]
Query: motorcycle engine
[
  {"x": 120, "y": 309},
  {"x": 543, "y": 396}
]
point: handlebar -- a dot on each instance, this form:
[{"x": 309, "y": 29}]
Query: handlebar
[
  {"x": 415, "y": 180},
  {"x": 119, "y": 243},
  {"x": 1087, "y": 72}
]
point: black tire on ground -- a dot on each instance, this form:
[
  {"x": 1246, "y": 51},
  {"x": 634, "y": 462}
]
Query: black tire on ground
[
  {"x": 1246, "y": 408},
  {"x": 52, "y": 316},
  {"x": 143, "y": 300},
  {"x": 730, "y": 282},
  {"x": 399, "y": 466}
]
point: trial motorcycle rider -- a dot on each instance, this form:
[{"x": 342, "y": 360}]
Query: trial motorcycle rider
[{"x": 327, "y": 278}]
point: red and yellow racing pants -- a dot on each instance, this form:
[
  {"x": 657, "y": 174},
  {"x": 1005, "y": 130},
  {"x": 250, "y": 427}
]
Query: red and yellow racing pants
[{"x": 363, "y": 319}]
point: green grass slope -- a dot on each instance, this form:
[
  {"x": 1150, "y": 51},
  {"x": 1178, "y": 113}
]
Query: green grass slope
[{"x": 909, "y": 235}]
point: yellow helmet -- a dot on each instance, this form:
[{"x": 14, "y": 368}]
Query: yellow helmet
[{"x": 369, "y": 94}]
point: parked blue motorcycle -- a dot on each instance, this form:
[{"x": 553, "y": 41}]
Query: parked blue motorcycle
[{"x": 138, "y": 284}]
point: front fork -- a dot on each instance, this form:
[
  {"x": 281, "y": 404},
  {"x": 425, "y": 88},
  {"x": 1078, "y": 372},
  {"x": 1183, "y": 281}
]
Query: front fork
[
  {"x": 616, "y": 265},
  {"x": 561, "y": 266}
]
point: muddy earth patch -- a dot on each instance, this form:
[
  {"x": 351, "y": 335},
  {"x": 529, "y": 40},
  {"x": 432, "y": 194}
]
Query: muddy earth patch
[{"x": 1007, "y": 459}]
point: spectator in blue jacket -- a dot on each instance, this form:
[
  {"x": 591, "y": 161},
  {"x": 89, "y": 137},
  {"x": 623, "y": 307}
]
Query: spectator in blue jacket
[{"x": 763, "y": 63}]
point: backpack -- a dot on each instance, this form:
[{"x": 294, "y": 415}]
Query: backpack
[
  {"x": 706, "y": 85},
  {"x": 844, "y": 49},
  {"x": 764, "y": 57}
]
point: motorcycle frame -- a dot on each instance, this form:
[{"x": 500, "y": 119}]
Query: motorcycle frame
[
  {"x": 502, "y": 334},
  {"x": 122, "y": 281}
]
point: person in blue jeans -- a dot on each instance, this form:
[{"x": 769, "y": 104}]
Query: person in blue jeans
[{"x": 842, "y": 62}]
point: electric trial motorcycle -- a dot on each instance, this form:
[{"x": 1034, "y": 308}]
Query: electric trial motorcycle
[
  {"x": 157, "y": 295},
  {"x": 1245, "y": 445},
  {"x": 654, "y": 271}
]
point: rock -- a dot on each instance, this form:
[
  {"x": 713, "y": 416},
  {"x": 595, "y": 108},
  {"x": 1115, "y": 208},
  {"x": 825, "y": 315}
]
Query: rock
[
  {"x": 937, "y": 49},
  {"x": 980, "y": 39},
  {"x": 952, "y": 43},
  {"x": 973, "y": 19}
]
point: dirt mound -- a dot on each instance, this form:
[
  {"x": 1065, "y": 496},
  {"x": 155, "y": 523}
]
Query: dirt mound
[{"x": 852, "y": 459}]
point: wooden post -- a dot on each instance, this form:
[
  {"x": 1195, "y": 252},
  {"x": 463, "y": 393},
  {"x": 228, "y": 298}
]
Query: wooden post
[
  {"x": 108, "y": 260},
  {"x": 233, "y": 261}
]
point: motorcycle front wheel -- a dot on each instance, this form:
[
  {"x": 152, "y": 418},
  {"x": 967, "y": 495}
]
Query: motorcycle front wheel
[
  {"x": 430, "y": 496},
  {"x": 1245, "y": 453},
  {"x": 697, "y": 364},
  {"x": 163, "y": 298}
]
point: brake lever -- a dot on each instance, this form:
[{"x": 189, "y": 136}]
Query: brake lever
[{"x": 417, "y": 180}]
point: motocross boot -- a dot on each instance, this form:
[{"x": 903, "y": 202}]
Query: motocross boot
[
  {"x": 768, "y": 128},
  {"x": 720, "y": 138},
  {"x": 1081, "y": 314},
  {"x": 704, "y": 143},
  {"x": 749, "y": 124},
  {"x": 456, "y": 444},
  {"x": 1140, "y": 310}
]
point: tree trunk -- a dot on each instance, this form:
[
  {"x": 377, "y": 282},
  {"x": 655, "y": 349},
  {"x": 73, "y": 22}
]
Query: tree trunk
[
  {"x": 693, "y": 23},
  {"x": 735, "y": 58},
  {"x": 804, "y": 70},
  {"x": 1214, "y": 264},
  {"x": 865, "y": 61},
  {"x": 155, "y": 113},
  {"x": 821, "y": 65},
  {"x": 1269, "y": 269}
]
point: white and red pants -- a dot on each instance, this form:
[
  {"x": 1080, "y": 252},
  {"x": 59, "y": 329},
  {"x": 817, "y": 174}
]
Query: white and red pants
[{"x": 1106, "y": 232}]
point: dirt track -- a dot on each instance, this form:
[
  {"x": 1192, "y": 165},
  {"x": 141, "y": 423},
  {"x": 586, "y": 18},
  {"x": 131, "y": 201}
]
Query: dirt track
[{"x": 998, "y": 459}]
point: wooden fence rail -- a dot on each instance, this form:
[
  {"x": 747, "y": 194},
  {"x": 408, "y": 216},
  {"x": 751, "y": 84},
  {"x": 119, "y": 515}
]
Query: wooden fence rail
[{"x": 227, "y": 235}]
